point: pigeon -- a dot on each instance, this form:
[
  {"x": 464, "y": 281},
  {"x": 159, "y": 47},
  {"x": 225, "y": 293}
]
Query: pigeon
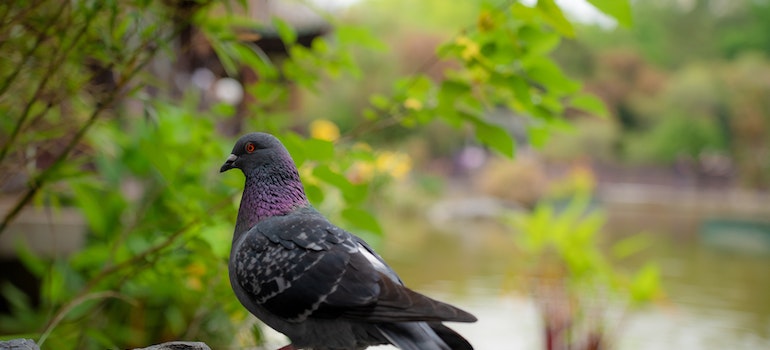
[{"x": 321, "y": 286}]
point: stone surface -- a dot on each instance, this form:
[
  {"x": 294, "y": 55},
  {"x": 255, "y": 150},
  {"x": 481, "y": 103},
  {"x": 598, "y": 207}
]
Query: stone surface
[
  {"x": 178, "y": 345},
  {"x": 19, "y": 344},
  {"x": 29, "y": 344}
]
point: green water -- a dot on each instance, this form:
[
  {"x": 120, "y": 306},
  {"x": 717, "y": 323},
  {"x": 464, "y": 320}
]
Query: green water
[{"x": 713, "y": 299}]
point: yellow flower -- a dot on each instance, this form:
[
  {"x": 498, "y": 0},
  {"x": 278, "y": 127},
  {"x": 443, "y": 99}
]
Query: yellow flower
[
  {"x": 583, "y": 178},
  {"x": 323, "y": 129},
  {"x": 470, "y": 50},
  {"x": 361, "y": 172},
  {"x": 486, "y": 21},
  {"x": 413, "y": 104},
  {"x": 462, "y": 40},
  {"x": 306, "y": 173},
  {"x": 397, "y": 165},
  {"x": 362, "y": 146},
  {"x": 194, "y": 273}
]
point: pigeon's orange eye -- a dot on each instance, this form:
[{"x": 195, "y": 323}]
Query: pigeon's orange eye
[{"x": 250, "y": 148}]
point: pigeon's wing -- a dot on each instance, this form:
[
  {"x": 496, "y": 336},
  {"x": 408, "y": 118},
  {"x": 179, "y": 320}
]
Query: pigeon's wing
[
  {"x": 289, "y": 265},
  {"x": 300, "y": 266},
  {"x": 376, "y": 260},
  {"x": 396, "y": 303}
]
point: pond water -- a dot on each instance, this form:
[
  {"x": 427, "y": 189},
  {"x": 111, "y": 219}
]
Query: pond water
[{"x": 714, "y": 299}]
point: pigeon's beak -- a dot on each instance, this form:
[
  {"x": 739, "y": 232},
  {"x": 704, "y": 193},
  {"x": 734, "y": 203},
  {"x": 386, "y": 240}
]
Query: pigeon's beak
[{"x": 228, "y": 163}]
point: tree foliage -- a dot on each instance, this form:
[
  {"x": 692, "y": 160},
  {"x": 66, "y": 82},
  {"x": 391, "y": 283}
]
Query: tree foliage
[{"x": 677, "y": 84}]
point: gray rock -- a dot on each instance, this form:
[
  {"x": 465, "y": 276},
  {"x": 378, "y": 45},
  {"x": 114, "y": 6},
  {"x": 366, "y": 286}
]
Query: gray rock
[
  {"x": 178, "y": 345},
  {"x": 19, "y": 344}
]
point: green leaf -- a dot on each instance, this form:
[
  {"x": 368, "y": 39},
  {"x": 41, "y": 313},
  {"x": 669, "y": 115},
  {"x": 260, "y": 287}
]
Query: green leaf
[
  {"x": 218, "y": 238},
  {"x": 257, "y": 335},
  {"x": 224, "y": 109},
  {"x": 546, "y": 72},
  {"x": 369, "y": 114},
  {"x": 225, "y": 56},
  {"x": 379, "y": 101},
  {"x": 631, "y": 245},
  {"x": 101, "y": 338},
  {"x": 362, "y": 219},
  {"x": 325, "y": 174},
  {"x": 285, "y": 31},
  {"x": 591, "y": 104},
  {"x": 256, "y": 59},
  {"x": 356, "y": 194},
  {"x": 495, "y": 137},
  {"x": 539, "y": 42},
  {"x": 319, "y": 45},
  {"x": 314, "y": 193},
  {"x": 174, "y": 318},
  {"x": 92, "y": 256},
  {"x": 31, "y": 261},
  {"x": 358, "y": 36},
  {"x": 618, "y": 9},
  {"x": 538, "y": 135},
  {"x": 18, "y": 299},
  {"x": 523, "y": 12},
  {"x": 552, "y": 15},
  {"x": 521, "y": 93},
  {"x": 585, "y": 232},
  {"x": 320, "y": 150},
  {"x": 544, "y": 45},
  {"x": 450, "y": 91},
  {"x": 91, "y": 204},
  {"x": 55, "y": 284},
  {"x": 295, "y": 144},
  {"x": 645, "y": 284}
]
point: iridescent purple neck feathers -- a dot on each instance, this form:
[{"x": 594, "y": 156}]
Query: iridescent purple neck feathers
[{"x": 272, "y": 189}]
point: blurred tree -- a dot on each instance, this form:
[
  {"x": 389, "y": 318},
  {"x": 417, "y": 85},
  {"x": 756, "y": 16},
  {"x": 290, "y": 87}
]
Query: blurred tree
[
  {"x": 673, "y": 33},
  {"x": 747, "y": 117},
  {"x": 676, "y": 83}
]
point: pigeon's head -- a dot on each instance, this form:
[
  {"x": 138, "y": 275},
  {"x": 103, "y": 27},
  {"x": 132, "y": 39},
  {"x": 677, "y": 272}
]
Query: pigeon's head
[{"x": 254, "y": 150}]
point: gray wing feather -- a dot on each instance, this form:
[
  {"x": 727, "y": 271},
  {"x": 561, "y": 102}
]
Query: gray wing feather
[{"x": 412, "y": 336}]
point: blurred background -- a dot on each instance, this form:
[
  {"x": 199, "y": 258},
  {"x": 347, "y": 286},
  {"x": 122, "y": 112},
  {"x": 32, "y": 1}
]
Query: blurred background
[{"x": 577, "y": 174}]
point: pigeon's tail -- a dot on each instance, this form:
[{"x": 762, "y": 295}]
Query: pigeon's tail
[
  {"x": 421, "y": 336},
  {"x": 450, "y": 337}
]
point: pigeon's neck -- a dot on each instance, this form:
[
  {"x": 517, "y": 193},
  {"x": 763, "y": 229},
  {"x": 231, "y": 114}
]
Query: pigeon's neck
[{"x": 272, "y": 190}]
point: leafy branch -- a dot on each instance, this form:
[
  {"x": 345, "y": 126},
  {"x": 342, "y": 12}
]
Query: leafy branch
[
  {"x": 108, "y": 271},
  {"x": 142, "y": 56}
]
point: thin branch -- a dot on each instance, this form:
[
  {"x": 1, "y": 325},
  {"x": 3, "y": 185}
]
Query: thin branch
[
  {"x": 55, "y": 63},
  {"x": 57, "y": 100},
  {"x": 128, "y": 228},
  {"x": 41, "y": 37},
  {"x": 109, "y": 270},
  {"x": 21, "y": 14},
  {"x": 391, "y": 119},
  {"x": 37, "y": 183}
]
